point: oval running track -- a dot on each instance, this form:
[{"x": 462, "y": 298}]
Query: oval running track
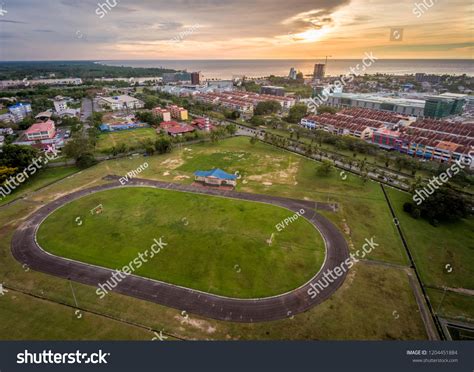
[{"x": 26, "y": 250}]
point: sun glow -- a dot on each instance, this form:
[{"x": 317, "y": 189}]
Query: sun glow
[{"x": 311, "y": 35}]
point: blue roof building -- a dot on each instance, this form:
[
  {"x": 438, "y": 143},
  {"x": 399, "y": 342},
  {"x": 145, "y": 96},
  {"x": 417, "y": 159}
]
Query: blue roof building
[{"x": 216, "y": 177}]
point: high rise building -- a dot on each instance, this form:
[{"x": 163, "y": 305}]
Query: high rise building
[
  {"x": 319, "y": 71},
  {"x": 293, "y": 74},
  {"x": 20, "y": 111},
  {"x": 274, "y": 91},
  {"x": 444, "y": 105},
  {"x": 195, "y": 78}
]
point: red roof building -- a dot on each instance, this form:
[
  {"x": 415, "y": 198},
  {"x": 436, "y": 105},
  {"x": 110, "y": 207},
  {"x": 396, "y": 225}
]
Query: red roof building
[
  {"x": 41, "y": 131},
  {"x": 174, "y": 128}
]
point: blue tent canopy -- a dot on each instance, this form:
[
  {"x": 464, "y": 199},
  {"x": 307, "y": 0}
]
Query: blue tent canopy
[{"x": 217, "y": 173}]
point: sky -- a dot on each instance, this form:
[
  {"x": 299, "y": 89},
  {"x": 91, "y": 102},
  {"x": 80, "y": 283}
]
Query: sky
[{"x": 234, "y": 29}]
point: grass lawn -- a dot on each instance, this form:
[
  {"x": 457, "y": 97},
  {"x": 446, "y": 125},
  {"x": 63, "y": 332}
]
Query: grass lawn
[
  {"x": 362, "y": 308},
  {"x": 129, "y": 137},
  {"x": 42, "y": 179},
  {"x": 452, "y": 305},
  {"x": 433, "y": 248},
  {"x": 215, "y": 244},
  {"x": 36, "y": 319}
]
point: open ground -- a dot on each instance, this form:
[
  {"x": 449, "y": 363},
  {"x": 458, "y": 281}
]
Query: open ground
[{"x": 375, "y": 302}]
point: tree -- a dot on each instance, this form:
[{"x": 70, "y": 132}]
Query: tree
[
  {"x": 443, "y": 205},
  {"x": 297, "y": 112},
  {"x": 5, "y": 173},
  {"x": 325, "y": 168},
  {"x": 151, "y": 102},
  {"x": 163, "y": 145},
  {"x": 326, "y": 109},
  {"x": 26, "y": 123},
  {"x": 267, "y": 107},
  {"x": 78, "y": 147},
  {"x": 86, "y": 160},
  {"x": 233, "y": 115},
  {"x": 253, "y": 140},
  {"x": 231, "y": 129},
  {"x": 18, "y": 156},
  {"x": 257, "y": 120}
]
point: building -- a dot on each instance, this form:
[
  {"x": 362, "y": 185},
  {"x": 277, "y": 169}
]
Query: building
[
  {"x": 203, "y": 124},
  {"x": 7, "y": 118},
  {"x": 115, "y": 127},
  {"x": 293, "y": 74},
  {"x": 216, "y": 177},
  {"x": 20, "y": 111},
  {"x": 243, "y": 102},
  {"x": 162, "y": 113},
  {"x": 176, "y": 77},
  {"x": 6, "y": 131},
  {"x": 4, "y": 84},
  {"x": 424, "y": 78},
  {"x": 446, "y": 104},
  {"x": 319, "y": 71},
  {"x": 272, "y": 90},
  {"x": 222, "y": 85},
  {"x": 41, "y": 131},
  {"x": 386, "y": 138},
  {"x": 175, "y": 129},
  {"x": 44, "y": 116},
  {"x": 196, "y": 78},
  {"x": 374, "y": 101},
  {"x": 123, "y": 102},
  {"x": 178, "y": 113},
  {"x": 60, "y": 105}
]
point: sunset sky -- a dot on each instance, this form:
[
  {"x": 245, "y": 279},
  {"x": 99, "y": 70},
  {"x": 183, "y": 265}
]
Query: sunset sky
[{"x": 234, "y": 29}]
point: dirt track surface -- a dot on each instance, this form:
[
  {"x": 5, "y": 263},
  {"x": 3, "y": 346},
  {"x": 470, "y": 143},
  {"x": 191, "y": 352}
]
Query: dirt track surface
[{"x": 26, "y": 250}]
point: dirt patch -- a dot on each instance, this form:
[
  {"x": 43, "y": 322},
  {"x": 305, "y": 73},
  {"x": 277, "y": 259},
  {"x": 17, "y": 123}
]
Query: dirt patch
[
  {"x": 179, "y": 178},
  {"x": 199, "y": 324},
  {"x": 172, "y": 163}
]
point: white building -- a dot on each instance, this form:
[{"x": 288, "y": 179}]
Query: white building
[
  {"x": 123, "y": 102},
  {"x": 60, "y": 105}
]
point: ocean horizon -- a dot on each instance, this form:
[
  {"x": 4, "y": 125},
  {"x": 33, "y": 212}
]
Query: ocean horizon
[{"x": 228, "y": 68}]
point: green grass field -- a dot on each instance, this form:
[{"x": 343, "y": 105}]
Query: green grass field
[
  {"x": 128, "y": 137},
  {"x": 433, "y": 248},
  {"x": 362, "y": 308},
  {"x": 214, "y": 244}
]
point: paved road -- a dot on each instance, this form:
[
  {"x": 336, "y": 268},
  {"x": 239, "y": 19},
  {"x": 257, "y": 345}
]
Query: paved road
[{"x": 26, "y": 250}]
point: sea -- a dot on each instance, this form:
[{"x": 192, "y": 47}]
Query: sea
[{"x": 227, "y": 69}]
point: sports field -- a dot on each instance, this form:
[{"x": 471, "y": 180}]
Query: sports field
[
  {"x": 375, "y": 302},
  {"x": 128, "y": 137},
  {"x": 214, "y": 244}
]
